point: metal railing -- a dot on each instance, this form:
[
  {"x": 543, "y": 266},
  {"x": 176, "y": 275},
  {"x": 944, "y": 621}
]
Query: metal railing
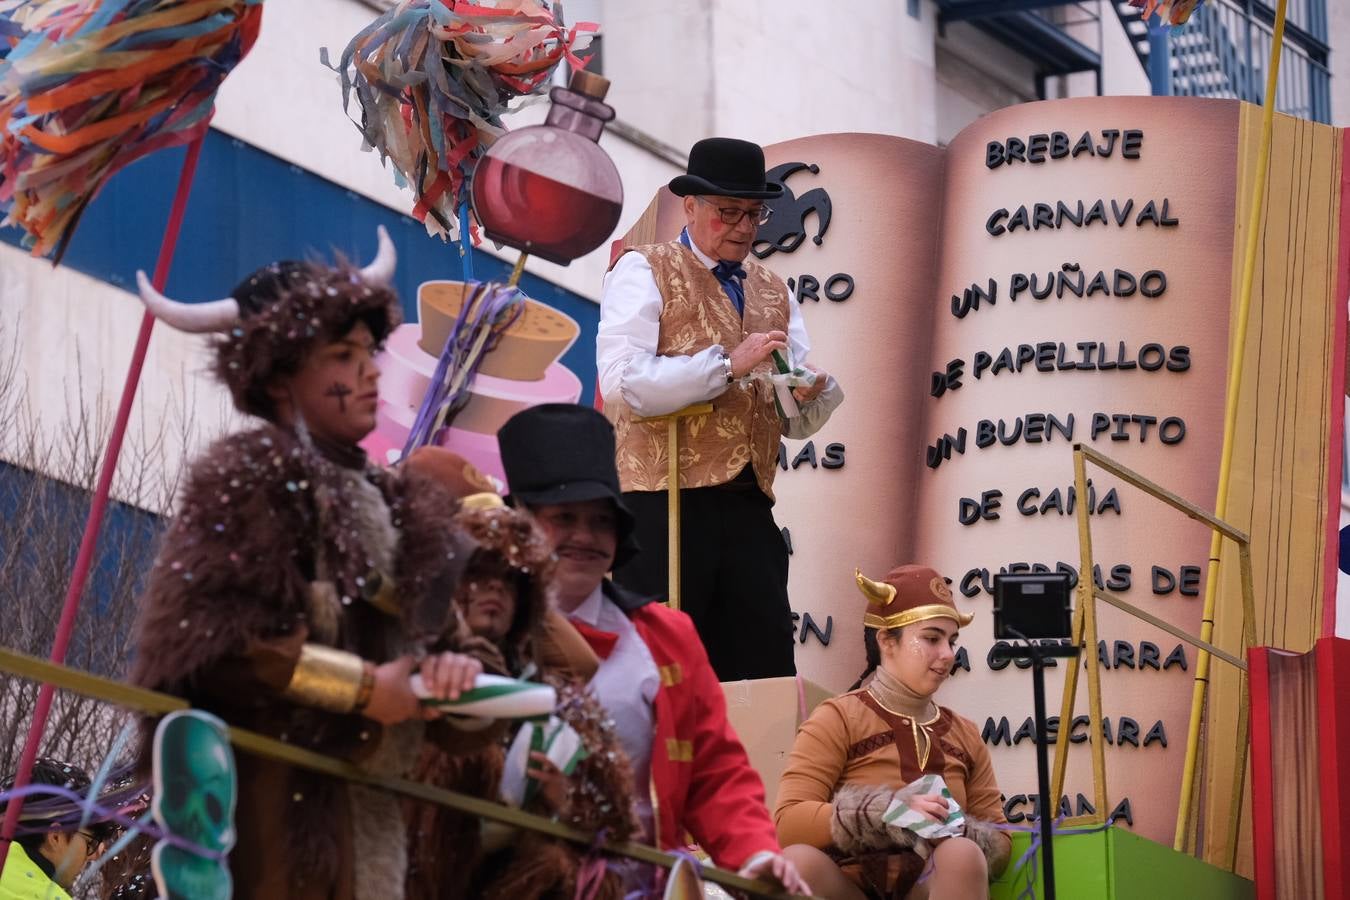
[
  {"x": 150, "y": 702},
  {"x": 1085, "y": 637},
  {"x": 1222, "y": 52}
]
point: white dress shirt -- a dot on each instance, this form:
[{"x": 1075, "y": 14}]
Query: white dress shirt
[
  {"x": 652, "y": 385},
  {"x": 625, "y": 684}
]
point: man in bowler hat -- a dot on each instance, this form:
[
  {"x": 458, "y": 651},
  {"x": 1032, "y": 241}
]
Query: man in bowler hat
[
  {"x": 695, "y": 321},
  {"x": 691, "y": 774}
]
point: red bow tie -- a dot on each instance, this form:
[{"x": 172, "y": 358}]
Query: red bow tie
[{"x": 602, "y": 642}]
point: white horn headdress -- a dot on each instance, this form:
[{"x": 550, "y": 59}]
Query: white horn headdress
[
  {"x": 221, "y": 315},
  {"x": 194, "y": 318},
  {"x": 380, "y": 271}
]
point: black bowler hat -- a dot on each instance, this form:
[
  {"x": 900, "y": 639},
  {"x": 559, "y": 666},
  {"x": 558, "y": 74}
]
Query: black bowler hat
[
  {"x": 564, "y": 453},
  {"x": 726, "y": 167}
]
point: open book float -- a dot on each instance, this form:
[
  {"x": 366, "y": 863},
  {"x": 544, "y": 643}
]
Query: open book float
[{"x": 1064, "y": 272}]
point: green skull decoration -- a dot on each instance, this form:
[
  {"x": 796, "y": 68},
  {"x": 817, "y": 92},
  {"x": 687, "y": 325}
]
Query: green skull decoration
[{"x": 196, "y": 787}]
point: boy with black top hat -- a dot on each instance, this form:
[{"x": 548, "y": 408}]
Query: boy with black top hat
[
  {"x": 692, "y": 774},
  {"x": 694, "y": 321}
]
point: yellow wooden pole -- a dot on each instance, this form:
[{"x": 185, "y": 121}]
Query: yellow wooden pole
[
  {"x": 1071, "y": 674},
  {"x": 1087, "y": 587},
  {"x": 1257, "y": 203},
  {"x": 1244, "y": 721},
  {"x": 518, "y": 270},
  {"x": 672, "y": 421},
  {"x": 673, "y": 513}
]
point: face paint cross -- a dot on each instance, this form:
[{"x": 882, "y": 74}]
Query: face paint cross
[{"x": 341, "y": 392}]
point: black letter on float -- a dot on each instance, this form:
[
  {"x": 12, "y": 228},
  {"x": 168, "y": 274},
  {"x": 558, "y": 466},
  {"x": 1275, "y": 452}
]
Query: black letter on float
[
  {"x": 1148, "y": 655},
  {"x": 1172, "y": 430},
  {"x": 995, "y": 225},
  {"x": 839, "y": 288},
  {"x": 996, "y": 733},
  {"x": 1130, "y": 143},
  {"x": 1153, "y": 283},
  {"x": 806, "y": 454},
  {"x": 993, "y": 154},
  {"x": 834, "y": 456},
  {"x": 809, "y": 626}
]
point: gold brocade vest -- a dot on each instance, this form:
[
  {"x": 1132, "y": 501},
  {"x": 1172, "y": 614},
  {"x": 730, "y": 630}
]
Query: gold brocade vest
[{"x": 744, "y": 427}]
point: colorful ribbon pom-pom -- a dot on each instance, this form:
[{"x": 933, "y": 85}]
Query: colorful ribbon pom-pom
[
  {"x": 89, "y": 86},
  {"x": 433, "y": 78},
  {"x": 1171, "y": 12}
]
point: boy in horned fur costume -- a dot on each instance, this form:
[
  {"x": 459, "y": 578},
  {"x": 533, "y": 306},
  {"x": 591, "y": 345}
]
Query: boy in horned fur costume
[
  {"x": 299, "y": 586},
  {"x": 504, "y": 598}
]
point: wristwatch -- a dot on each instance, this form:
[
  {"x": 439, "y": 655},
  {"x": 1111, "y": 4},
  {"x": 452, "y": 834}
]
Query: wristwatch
[{"x": 726, "y": 364}]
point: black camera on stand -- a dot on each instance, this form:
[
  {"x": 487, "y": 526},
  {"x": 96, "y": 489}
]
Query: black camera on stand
[{"x": 1029, "y": 609}]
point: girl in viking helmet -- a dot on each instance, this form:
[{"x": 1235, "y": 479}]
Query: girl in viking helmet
[
  {"x": 503, "y": 598},
  {"x": 299, "y": 586},
  {"x": 857, "y": 752}
]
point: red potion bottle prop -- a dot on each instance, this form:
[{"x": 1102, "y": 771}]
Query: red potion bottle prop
[{"x": 549, "y": 189}]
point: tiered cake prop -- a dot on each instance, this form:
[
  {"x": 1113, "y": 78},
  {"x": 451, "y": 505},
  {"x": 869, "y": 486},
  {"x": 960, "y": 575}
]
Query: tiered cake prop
[{"x": 521, "y": 370}]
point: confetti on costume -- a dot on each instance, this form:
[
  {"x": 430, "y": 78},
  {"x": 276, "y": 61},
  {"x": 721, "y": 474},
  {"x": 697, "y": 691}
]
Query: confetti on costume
[
  {"x": 89, "y": 86},
  {"x": 433, "y": 79},
  {"x": 1172, "y": 12}
]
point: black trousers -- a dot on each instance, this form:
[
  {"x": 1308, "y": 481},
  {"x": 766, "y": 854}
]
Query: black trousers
[{"x": 733, "y": 574}]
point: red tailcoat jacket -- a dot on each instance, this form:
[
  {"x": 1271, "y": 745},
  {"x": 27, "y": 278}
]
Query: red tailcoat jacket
[{"x": 702, "y": 782}]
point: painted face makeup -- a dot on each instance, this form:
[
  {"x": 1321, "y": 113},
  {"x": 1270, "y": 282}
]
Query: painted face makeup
[
  {"x": 922, "y": 660},
  {"x": 713, "y": 236},
  {"x": 335, "y": 389},
  {"x": 339, "y": 392}
]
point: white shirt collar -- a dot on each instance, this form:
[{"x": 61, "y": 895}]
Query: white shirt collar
[
  {"x": 589, "y": 610},
  {"x": 702, "y": 257}
]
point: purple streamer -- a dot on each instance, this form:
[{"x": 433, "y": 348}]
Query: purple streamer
[
  {"x": 105, "y": 814},
  {"x": 492, "y": 306}
]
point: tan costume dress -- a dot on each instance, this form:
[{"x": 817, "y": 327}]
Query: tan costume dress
[{"x": 856, "y": 739}]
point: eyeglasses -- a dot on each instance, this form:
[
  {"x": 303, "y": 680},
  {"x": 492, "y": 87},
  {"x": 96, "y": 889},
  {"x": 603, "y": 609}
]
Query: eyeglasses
[
  {"x": 732, "y": 215},
  {"x": 90, "y": 843}
]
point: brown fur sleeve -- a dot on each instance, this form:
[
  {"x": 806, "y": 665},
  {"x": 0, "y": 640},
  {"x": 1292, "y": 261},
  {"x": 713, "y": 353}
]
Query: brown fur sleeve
[
  {"x": 230, "y": 569},
  {"x": 856, "y": 823},
  {"x": 432, "y": 553}
]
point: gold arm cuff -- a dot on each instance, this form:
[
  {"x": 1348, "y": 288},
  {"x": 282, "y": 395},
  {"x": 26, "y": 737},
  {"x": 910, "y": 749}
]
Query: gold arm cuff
[
  {"x": 326, "y": 678},
  {"x": 917, "y": 614}
]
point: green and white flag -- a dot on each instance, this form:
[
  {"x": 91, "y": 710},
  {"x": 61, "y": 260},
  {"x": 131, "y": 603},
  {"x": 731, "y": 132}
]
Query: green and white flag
[
  {"x": 900, "y": 815},
  {"x": 495, "y": 697},
  {"x": 555, "y": 739}
]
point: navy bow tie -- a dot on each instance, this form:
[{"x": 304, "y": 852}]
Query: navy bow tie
[{"x": 729, "y": 273}]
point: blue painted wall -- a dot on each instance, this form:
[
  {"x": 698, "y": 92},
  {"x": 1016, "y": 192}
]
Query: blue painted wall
[
  {"x": 41, "y": 524},
  {"x": 249, "y": 208}
]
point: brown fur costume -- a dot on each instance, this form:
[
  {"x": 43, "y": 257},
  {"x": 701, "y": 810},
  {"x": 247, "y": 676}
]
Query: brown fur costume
[
  {"x": 265, "y": 554},
  {"x": 448, "y": 855}
]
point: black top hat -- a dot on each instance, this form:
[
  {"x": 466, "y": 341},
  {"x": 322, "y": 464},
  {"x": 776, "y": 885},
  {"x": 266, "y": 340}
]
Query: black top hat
[
  {"x": 564, "y": 453},
  {"x": 726, "y": 167}
]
